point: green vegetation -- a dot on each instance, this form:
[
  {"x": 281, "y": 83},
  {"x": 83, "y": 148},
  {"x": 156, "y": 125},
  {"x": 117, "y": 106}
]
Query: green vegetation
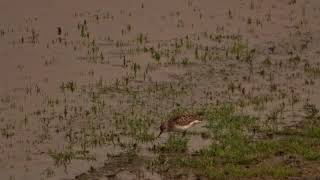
[
  {"x": 174, "y": 144},
  {"x": 236, "y": 153},
  {"x": 64, "y": 158}
]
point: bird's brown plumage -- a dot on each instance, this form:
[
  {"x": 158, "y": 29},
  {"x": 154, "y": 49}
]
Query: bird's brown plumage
[
  {"x": 180, "y": 122},
  {"x": 183, "y": 120}
]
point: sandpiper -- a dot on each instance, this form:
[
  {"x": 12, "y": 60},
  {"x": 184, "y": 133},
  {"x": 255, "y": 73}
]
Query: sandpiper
[{"x": 180, "y": 123}]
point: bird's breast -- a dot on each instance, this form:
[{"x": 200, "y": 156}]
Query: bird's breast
[{"x": 181, "y": 128}]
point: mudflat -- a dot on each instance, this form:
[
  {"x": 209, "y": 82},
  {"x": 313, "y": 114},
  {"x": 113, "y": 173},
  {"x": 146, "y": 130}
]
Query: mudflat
[{"x": 85, "y": 85}]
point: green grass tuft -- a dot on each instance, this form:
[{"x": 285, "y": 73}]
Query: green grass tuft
[{"x": 174, "y": 144}]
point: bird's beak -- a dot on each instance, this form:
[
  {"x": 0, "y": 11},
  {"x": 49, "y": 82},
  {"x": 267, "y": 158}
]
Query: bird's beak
[{"x": 159, "y": 134}]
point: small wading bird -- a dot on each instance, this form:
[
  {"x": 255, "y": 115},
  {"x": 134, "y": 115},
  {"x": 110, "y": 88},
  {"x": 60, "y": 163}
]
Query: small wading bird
[{"x": 180, "y": 123}]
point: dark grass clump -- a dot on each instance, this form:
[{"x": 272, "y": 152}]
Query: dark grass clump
[{"x": 175, "y": 144}]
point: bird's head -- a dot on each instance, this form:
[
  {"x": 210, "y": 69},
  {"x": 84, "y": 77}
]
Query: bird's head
[{"x": 163, "y": 128}]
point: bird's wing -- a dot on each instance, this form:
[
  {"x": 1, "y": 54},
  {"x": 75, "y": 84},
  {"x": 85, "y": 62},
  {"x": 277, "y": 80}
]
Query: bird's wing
[{"x": 184, "y": 120}]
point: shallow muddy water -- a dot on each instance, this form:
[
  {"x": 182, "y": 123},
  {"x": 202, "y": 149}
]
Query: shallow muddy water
[{"x": 85, "y": 85}]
